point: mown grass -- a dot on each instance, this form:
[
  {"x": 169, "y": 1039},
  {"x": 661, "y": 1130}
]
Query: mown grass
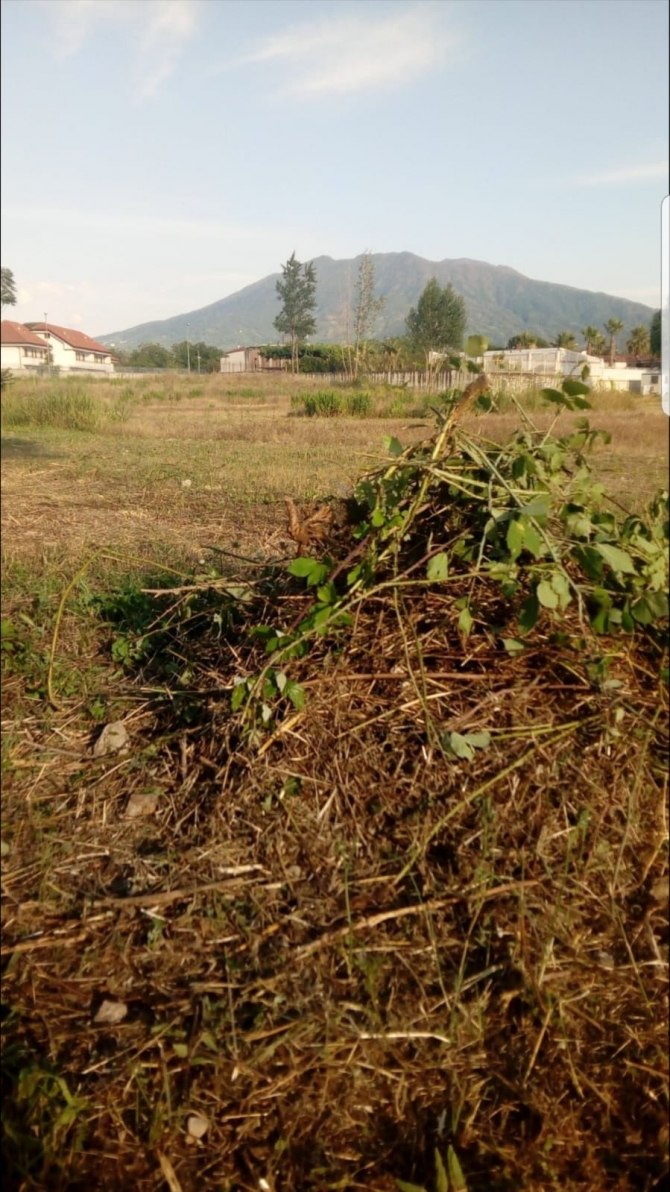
[{"x": 535, "y": 961}]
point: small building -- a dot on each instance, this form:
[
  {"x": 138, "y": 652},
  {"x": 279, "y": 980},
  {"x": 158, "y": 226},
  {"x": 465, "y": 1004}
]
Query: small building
[
  {"x": 548, "y": 362},
  {"x": 72, "y": 351},
  {"x": 241, "y": 360},
  {"x": 553, "y": 362},
  {"x": 21, "y": 349},
  {"x": 251, "y": 359}
]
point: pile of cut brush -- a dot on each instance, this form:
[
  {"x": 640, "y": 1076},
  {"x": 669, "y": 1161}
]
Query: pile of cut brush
[{"x": 437, "y": 958}]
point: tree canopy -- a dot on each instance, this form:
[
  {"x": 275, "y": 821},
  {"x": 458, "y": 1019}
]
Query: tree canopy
[
  {"x": 526, "y": 339},
  {"x": 655, "y": 334},
  {"x": 437, "y": 323},
  {"x": 297, "y": 292},
  {"x": 8, "y": 295},
  {"x": 638, "y": 341}
]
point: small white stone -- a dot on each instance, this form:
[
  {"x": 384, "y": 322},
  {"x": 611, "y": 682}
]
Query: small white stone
[
  {"x": 112, "y": 739},
  {"x": 197, "y": 1125},
  {"x": 110, "y": 1013}
]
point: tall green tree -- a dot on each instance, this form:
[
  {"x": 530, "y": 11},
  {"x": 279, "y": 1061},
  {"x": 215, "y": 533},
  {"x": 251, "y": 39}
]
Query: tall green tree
[
  {"x": 297, "y": 291},
  {"x": 151, "y": 356},
  {"x": 566, "y": 339},
  {"x": 367, "y": 308},
  {"x": 591, "y": 336},
  {"x": 655, "y": 334},
  {"x": 437, "y": 323},
  {"x": 613, "y": 327},
  {"x": 476, "y": 345},
  {"x": 199, "y": 355},
  {"x": 8, "y": 294},
  {"x": 526, "y": 339},
  {"x": 638, "y": 341}
]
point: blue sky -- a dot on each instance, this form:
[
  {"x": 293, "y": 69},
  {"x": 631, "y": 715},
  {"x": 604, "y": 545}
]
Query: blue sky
[{"x": 158, "y": 155}]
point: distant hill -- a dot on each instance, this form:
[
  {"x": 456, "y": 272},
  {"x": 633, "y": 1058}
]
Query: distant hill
[{"x": 500, "y": 303}]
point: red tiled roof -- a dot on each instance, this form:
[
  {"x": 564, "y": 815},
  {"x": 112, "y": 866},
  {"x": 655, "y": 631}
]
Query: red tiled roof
[
  {"x": 75, "y": 339},
  {"x": 16, "y": 333}
]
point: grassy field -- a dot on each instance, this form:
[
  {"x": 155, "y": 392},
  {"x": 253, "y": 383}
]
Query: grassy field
[
  {"x": 313, "y": 959},
  {"x": 197, "y": 463}
]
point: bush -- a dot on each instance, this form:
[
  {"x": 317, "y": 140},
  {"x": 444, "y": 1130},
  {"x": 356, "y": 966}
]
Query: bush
[
  {"x": 359, "y": 405},
  {"x": 325, "y": 404},
  {"x": 72, "y": 410}
]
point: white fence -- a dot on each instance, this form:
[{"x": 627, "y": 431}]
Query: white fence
[{"x": 449, "y": 379}]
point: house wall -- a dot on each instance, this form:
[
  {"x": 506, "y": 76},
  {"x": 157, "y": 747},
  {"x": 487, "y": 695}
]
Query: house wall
[
  {"x": 20, "y": 357},
  {"x": 69, "y": 359},
  {"x": 11, "y": 356}
]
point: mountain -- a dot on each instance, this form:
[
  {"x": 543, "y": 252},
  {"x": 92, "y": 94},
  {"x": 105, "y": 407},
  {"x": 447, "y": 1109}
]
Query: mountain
[{"x": 500, "y": 303}]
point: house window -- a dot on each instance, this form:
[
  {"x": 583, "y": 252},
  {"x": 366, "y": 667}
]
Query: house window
[
  {"x": 33, "y": 351},
  {"x": 80, "y": 355}
]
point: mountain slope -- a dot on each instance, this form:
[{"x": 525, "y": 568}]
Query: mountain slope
[{"x": 500, "y": 303}]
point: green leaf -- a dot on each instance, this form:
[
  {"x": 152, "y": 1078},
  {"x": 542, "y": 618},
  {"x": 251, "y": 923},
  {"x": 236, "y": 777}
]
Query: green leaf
[
  {"x": 515, "y": 538},
  {"x": 280, "y": 680},
  {"x": 513, "y": 646},
  {"x": 465, "y": 621},
  {"x": 619, "y": 560},
  {"x": 574, "y": 388},
  {"x": 559, "y": 583},
  {"x": 405, "y": 1187},
  {"x": 354, "y": 574},
  {"x": 239, "y": 695},
  {"x": 441, "y": 1177},
  {"x": 554, "y": 396},
  {"x": 538, "y": 507},
  {"x": 532, "y": 541},
  {"x": 455, "y": 1170},
  {"x": 296, "y": 694},
  {"x": 458, "y": 745},
  {"x": 301, "y": 568},
  {"x": 378, "y": 518},
  {"x": 546, "y": 595},
  {"x": 530, "y": 611},
  {"x": 327, "y": 593},
  {"x": 317, "y": 575},
  {"x": 480, "y": 740},
  {"x": 392, "y": 446},
  {"x": 438, "y": 567}
]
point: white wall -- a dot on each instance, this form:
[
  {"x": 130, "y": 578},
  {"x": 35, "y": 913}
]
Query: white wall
[
  {"x": 65, "y": 357},
  {"x": 15, "y": 357}
]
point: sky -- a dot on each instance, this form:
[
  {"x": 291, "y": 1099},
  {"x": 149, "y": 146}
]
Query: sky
[{"x": 158, "y": 155}]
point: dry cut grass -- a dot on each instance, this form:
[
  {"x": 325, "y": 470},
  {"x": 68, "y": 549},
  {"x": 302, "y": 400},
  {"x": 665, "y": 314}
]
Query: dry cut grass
[{"x": 338, "y": 945}]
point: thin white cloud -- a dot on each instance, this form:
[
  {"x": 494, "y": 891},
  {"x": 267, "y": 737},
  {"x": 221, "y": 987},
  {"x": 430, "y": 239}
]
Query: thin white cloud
[
  {"x": 357, "y": 53},
  {"x": 171, "y": 24},
  {"x": 66, "y": 217},
  {"x": 158, "y": 31},
  {"x": 626, "y": 174}
]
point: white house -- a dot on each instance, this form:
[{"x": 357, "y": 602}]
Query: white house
[
  {"x": 22, "y": 349},
  {"x": 250, "y": 360},
  {"x": 241, "y": 360},
  {"x": 542, "y": 361},
  {"x": 72, "y": 351},
  {"x": 565, "y": 361}
]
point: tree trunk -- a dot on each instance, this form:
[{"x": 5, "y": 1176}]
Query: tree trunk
[{"x": 612, "y": 351}]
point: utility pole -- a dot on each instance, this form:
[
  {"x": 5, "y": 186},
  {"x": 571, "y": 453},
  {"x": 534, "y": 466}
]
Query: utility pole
[
  {"x": 188, "y": 349},
  {"x": 46, "y": 329},
  {"x": 198, "y": 362}
]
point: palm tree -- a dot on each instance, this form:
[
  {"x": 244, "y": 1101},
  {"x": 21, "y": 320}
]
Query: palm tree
[
  {"x": 598, "y": 344},
  {"x": 591, "y": 335},
  {"x": 638, "y": 341},
  {"x": 565, "y": 339},
  {"x": 613, "y": 327}
]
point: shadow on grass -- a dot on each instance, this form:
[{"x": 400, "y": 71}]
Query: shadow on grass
[{"x": 11, "y": 448}]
